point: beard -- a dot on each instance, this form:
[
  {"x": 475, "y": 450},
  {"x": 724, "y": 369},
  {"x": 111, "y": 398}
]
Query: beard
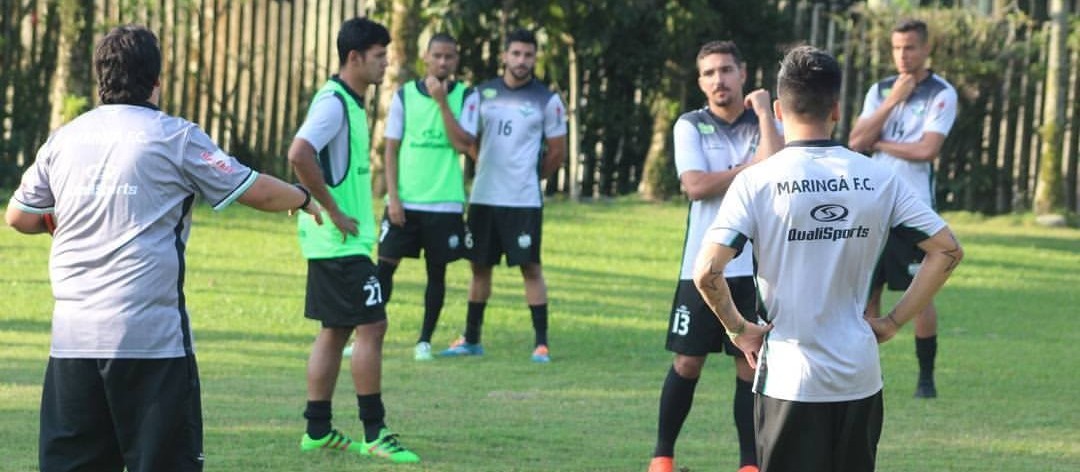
[{"x": 521, "y": 73}]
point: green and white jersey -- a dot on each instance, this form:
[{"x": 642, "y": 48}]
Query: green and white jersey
[
  {"x": 121, "y": 181},
  {"x": 706, "y": 143},
  {"x": 931, "y": 108},
  {"x": 429, "y": 168},
  {"x": 819, "y": 215},
  {"x": 336, "y": 126},
  {"x": 511, "y": 125}
]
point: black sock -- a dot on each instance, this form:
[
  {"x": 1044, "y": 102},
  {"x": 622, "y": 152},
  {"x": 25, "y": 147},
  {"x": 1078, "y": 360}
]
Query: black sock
[
  {"x": 743, "y": 411},
  {"x": 385, "y": 273},
  {"x": 371, "y": 414},
  {"x": 318, "y": 417},
  {"x": 473, "y": 321},
  {"x": 675, "y": 401},
  {"x": 540, "y": 322},
  {"x": 926, "y": 351},
  {"x": 433, "y": 299}
]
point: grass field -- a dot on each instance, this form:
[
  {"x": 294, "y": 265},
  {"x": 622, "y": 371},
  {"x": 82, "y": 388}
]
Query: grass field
[{"x": 1008, "y": 368}]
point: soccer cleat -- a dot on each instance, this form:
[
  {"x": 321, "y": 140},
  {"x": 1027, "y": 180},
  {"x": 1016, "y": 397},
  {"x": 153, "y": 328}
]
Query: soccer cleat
[
  {"x": 422, "y": 352},
  {"x": 388, "y": 447},
  {"x": 925, "y": 389},
  {"x": 461, "y": 348},
  {"x": 662, "y": 464},
  {"x": 749, "y": 468},
  {"x": 540, "y": 354},
  {"x": 335, "y": 440}
]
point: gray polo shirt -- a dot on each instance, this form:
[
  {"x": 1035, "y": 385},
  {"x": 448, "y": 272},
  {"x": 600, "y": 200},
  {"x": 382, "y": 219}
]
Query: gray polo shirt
[{"x": 121, "y": 181}]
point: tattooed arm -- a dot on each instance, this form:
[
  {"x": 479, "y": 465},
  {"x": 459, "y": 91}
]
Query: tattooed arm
[
  {"x": 943, "y": 254},
  {"x": 710, "y": 281}
]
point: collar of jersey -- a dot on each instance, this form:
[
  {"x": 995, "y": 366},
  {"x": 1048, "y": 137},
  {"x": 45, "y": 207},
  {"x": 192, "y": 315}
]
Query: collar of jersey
[
  {"x": 747, "y": 114},
  {"x": 812, "y": 143},
  {"x": 352, "y": 93}
]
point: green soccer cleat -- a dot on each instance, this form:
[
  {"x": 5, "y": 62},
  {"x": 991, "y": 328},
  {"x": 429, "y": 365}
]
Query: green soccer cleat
[
  {"x": 387, "y": 446},
  {"x": 422, "y": 352},
  {"x": 334, "y": 441}
]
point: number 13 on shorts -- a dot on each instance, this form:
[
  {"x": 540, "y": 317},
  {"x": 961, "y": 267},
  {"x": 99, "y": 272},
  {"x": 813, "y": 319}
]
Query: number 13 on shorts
[{"x": 680, "y": 320}]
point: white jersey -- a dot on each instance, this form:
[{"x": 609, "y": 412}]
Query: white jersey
[
  {"x": 706, "y": 143},
  {"x": 511, "y": 124},
  {"x": 931, "y": 108},
  {"x": 819, "y": 215}
]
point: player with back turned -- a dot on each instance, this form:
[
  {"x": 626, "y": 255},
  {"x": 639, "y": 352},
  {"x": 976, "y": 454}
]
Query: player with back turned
[{"x": 819, "y": 215}]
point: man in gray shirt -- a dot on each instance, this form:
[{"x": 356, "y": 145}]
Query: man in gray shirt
[{"x": 115, "y": 187}]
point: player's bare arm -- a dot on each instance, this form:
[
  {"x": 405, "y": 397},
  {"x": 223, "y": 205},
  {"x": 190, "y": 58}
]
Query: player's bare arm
[
  {"x": 867, "y": 131},
  {"x": 710, "y": 281},
  {"x": 304, "y": 164},
  {"x": 554, "y": 156},
  {"x": 394, "y": 209},
  {"x": 269, "y": 193},
  {"x": 461, "y": 140},
  {"x": 25, "y": 222},
  {"x": 770, "y": 141},
  {"x": 943, "y": 254},
  {"x": 700, "y": 185},
  {"x": 926, "y": 149}
]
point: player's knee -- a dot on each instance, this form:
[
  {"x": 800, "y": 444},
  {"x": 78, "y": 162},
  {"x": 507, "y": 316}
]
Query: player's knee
[{"x": 689, "y": 367}]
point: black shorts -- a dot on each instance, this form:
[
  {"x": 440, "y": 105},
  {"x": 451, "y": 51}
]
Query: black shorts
[
  {"x": 440, "y": 235},
  {"x": 108, "y": 414},
  {"x": 818, "y": 437},
  {"x": 694, "y": 330},
  {"x": 344, "y": 292},
  {"x": 898, "y": 263},
  {"x": 494, "y": 231}
]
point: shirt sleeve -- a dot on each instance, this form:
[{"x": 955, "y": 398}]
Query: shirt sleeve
[
  {"x": 554, "y": 117},
  {"x": 734, "y": 224},
  {"x": 871, "y": 102},
  {"x": 469, "y": 92},
  {"x": 323, "y": 122},
  {"x": 218, "y": 177},
  {"x": 470, "y": 114},
  {"x": 689, "y": 153},
  {"x": 912, "y": 219},
  {"x": 942, "y": 113},
  {"x": 34, "y": 194},
  {"x": 395, "y": 118}
]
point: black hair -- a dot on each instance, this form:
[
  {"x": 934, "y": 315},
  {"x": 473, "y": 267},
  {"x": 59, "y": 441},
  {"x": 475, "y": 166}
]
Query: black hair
[
  {"x": 441, "y": 38},
  {"x": 912, "y": 25},
  {"x": 521, "y": 36},
  {"x": 360, "y": 34},
  {"x": 720, "y": 47},
  {"x": 128, "y": 64},
  {"x": 808, "y": 84}
]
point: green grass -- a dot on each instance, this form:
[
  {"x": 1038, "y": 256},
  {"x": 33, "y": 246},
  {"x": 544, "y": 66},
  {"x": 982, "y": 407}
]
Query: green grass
[{"x": 1007, "y": 369}]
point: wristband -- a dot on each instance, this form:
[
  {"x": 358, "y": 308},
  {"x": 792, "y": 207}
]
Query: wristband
[
  {"x": 307, "y": 197},
  {"x": 738, "y": 331}
]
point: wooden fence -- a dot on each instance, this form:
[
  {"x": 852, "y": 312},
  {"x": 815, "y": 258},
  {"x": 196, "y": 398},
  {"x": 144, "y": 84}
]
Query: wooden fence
[{"x": 244, "y": 70}]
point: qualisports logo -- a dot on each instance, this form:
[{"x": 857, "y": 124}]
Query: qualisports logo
[{"x": 829, "y": 213}]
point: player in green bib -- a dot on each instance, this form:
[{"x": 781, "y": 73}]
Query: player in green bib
[
  {"x": 330, "y": 157},
  {"x": 425, "y": 189}
]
